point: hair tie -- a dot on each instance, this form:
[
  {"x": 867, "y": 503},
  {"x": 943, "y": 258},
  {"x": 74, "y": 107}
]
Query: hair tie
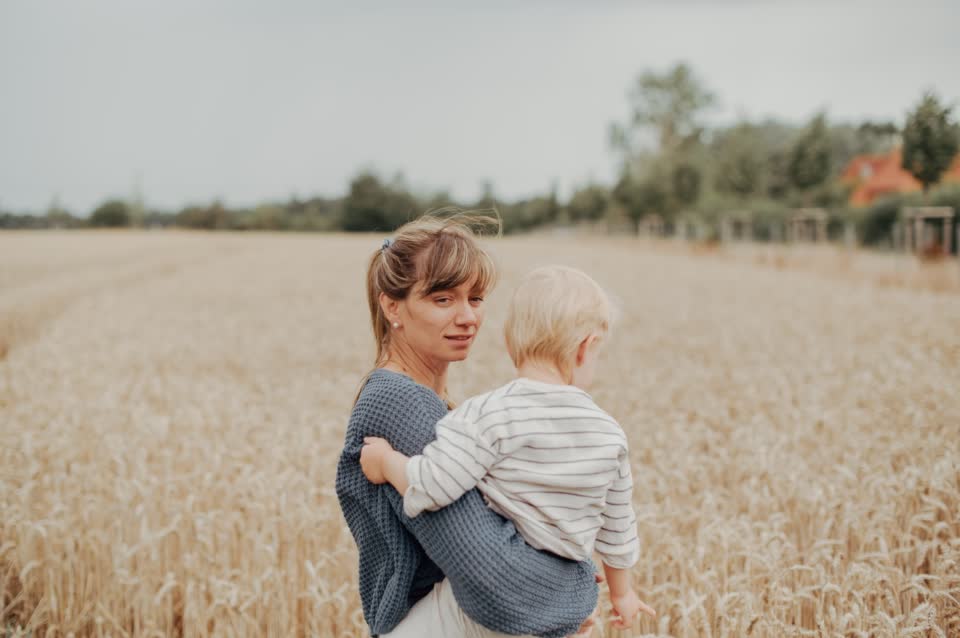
[{"x": 386, "y": 243}]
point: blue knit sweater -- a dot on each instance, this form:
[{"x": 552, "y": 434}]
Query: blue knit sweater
[{"x": 498, "y": 580}]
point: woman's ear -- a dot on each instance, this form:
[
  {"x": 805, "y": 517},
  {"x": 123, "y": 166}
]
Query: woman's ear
[{"x": 390, "y": 308}]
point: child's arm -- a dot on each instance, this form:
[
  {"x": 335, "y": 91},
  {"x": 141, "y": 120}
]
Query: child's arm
[
  {"x": 449, "y": 467},
  {"x": 626, "y": 604},
  {"x": 619, "y": 547},
  {"x": 618, "y": 580},
  {"x": 617, "y": 541}
]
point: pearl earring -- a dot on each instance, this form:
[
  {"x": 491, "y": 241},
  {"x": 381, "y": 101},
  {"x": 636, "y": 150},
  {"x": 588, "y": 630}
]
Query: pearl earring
[{"x": 396, "y": 324}]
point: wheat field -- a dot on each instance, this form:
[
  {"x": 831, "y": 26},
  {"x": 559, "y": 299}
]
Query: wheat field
[{"x": 172, "y": 406}]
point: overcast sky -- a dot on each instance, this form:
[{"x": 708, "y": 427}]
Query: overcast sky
[{"x": 190, "y": 100}]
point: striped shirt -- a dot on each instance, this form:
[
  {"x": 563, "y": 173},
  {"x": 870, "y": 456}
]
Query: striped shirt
[{"x": 544, "y": 456}]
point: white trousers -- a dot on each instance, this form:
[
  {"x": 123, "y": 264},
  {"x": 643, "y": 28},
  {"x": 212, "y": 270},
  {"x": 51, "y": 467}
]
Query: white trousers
[{"x": 437, "y": 615}]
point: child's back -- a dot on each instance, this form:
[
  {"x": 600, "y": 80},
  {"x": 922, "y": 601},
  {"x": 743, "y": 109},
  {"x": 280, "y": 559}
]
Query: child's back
[{"x": 545, "y": 456}]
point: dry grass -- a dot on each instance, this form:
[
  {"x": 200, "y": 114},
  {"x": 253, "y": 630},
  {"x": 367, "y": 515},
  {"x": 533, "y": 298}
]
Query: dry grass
[
  {"x": 937, "y": 274},
  {"x": 172, "y": 406}
]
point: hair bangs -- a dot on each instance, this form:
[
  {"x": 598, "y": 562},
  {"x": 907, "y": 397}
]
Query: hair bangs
[{"x": 454, "y": 260}]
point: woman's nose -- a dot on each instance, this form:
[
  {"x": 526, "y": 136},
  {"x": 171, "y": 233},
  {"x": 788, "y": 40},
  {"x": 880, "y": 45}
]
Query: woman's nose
[{"x": 466, "y": 315}]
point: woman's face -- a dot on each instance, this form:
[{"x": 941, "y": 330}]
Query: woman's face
[{"x": 443, "y": 325}]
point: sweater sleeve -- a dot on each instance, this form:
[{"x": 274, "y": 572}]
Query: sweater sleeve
[
  {"x": 498, "y": 580},
  {"x": 449, "y": 466}
]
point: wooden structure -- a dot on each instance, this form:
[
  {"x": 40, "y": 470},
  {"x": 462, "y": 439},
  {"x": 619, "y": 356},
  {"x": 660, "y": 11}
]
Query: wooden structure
[
  {"x": 775, "y": 232},
  {"x": 849, "y": 235},
  {"x": 651, "y": 226},
  {"x": 736, "y": 226},
  {"x": 807, "y": 225},
  {"x": 920, "y": 225},
  {"x": 689, "y": 227},
  {"x": 896, "y": 236}
]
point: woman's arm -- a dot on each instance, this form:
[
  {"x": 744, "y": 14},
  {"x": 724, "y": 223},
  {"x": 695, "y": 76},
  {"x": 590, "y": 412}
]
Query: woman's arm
[{"x": 498, "y": 580}]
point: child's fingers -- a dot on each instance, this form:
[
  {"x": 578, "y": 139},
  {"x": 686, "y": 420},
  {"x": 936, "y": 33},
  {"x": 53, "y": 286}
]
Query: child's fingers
[
  {"x": 648, "y": 610},
  {"x": 620, "y": 621}
]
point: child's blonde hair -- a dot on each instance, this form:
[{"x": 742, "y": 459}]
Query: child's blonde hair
[{"x": 552, "y": 311}]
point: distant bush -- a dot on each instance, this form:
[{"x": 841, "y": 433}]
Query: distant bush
[
  {"x": 212, "y": 217},
  {"x": 878, "y": 220},
  {"x": 111, "y": 214},
  {"x": 11, "y": 220}
]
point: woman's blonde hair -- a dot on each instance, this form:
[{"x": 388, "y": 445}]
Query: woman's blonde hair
[
  {"x": 438, "y": 250},
  {"x": 552, "y": 311}
]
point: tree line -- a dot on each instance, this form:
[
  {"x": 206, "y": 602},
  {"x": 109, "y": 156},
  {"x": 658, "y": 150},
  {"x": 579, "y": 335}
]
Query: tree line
[{"x": 673, "y": 165}]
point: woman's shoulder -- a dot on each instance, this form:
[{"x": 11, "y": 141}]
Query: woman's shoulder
[
  {"x": 394, "y": 406},
  {"x": 384, "y": 386}
]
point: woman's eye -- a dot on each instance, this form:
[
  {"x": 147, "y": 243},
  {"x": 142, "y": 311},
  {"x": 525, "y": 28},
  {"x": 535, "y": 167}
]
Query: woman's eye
[{"x": 476, "y": 300}]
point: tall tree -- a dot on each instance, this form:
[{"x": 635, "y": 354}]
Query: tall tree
[
  {"x": 685, "y": 185},
  {"x": 588, "y": 203},
  {"x": 930, "y": 141},
  {"x": 372, "y": 205},
  {"x": 488, "y": 196},
  {"x": 665, "y": 112},
  {"x": 810, "y": 158},
  {"x": 877, "y": 137},
  {"x": 739, "y": 160},
  {"x": 642, "y": 195}
]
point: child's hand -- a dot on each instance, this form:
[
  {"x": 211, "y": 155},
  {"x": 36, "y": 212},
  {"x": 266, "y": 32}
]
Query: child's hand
[
  {"x": 627, "y": 607},
  {"x": 372, "y": 454}
]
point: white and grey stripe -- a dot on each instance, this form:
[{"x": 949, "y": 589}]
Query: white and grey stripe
[{"x": 544, "y": 456}]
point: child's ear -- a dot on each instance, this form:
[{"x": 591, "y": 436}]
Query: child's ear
[{"x": 584, "y": 348}]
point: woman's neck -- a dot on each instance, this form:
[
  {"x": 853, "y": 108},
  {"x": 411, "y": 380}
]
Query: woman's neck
[{"x": 432, "y": 374}]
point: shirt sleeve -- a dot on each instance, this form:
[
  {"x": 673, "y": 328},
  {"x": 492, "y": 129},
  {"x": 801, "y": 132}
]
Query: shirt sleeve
[
  {"x": 449, "y": 467},
  {"x": 617, "y": 541}
]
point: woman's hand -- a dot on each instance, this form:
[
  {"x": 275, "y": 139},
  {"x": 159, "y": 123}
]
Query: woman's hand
[{"x": 372, "y": 456}]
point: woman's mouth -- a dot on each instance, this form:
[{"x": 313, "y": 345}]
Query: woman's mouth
[{"x": 460, "y": 338}]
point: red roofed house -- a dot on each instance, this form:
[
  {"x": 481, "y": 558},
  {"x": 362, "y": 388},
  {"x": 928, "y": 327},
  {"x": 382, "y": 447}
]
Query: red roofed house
[{"x": 874, "y": 176}]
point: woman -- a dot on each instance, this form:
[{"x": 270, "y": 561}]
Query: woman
[{"x": 425, "y": 291}]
